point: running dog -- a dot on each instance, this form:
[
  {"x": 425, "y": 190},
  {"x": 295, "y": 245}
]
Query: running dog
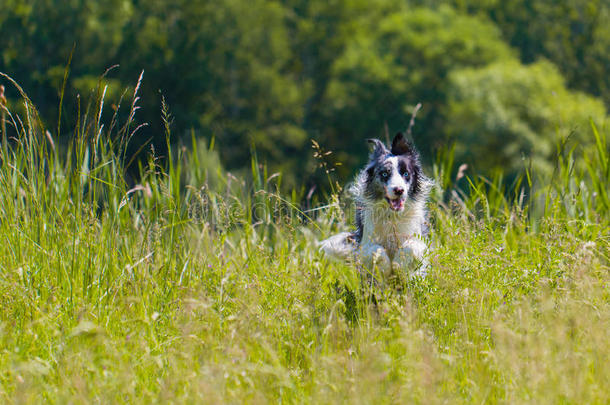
[{"x": 391, "y": 217}]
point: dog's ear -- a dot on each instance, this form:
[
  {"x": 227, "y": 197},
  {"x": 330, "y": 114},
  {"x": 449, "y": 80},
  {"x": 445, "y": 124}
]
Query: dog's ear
[
  {"x": 379, "y": 148},
  {"x": 401, "y": 146}
]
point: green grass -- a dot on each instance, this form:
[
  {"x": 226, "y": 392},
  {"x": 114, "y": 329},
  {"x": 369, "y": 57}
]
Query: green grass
[{"x": 198, "y": 286}]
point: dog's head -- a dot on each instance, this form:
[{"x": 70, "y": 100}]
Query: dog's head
[{"x": 394, "y": 175}]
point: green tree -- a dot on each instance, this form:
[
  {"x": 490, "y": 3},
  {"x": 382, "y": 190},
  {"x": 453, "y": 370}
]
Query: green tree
[
  {"x": 573, "y": 34},
  {"x": 389, "y": 65},
  {"x": 273, "y": 74},
  {"x": 501, "y": 113},
  {"x": 37, "y": 38},
  {"x": 224, "y": 67}
]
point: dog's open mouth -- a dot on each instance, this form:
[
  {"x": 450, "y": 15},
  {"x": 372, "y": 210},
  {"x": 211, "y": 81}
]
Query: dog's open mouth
[{"x": 397, "y": 204}]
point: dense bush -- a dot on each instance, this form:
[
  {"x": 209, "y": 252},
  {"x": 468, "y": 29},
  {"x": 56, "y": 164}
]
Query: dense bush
[
  {"x": 404, "y": 58},
  {"x": 511, "y": 117},
  {"x": 271, "y": 75}
]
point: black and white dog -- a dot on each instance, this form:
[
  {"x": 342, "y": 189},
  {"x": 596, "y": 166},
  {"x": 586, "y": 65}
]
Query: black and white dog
[{"x": 390, "y": 196}]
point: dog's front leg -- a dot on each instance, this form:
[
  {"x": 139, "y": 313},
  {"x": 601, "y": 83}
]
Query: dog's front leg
[
  {"x": 412, "y": 255},
  {"x": 338, "y": 246},
  {"x": 374, "y": 256}
]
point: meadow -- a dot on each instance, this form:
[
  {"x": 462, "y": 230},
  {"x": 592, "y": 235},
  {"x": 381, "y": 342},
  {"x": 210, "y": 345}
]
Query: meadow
[{"x": 194, "y": 285}]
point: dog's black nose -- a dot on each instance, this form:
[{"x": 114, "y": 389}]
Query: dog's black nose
[{"x": 398, "y": 190}]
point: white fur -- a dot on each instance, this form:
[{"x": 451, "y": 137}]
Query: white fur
[
  {"x": 396, "y": 180},
  {"x": 336, "y": 246},
  {"x": 398, "y": 233},
  {"x": 391, "y": 240}
]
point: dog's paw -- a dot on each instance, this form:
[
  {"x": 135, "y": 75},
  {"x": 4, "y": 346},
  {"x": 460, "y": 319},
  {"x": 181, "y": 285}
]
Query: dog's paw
[
  {"x": 374, "y": 255},
  {"x": 414, "y": 247},
  {"x": 412, "y": 257},
  {"x": 337, "y": 246}
]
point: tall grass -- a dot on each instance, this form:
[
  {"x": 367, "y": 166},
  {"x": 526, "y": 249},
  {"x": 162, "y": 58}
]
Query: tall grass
[{"x": 195, "y": 285}]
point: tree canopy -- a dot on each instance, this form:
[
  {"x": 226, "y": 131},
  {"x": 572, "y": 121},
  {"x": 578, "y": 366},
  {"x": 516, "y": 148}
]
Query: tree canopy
[{"x": 504, "y": 80}]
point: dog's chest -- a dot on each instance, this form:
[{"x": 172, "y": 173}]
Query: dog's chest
[{"x": 389, "y": 230}]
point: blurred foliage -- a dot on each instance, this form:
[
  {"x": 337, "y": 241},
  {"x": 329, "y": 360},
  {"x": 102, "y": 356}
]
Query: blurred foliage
[
  {"x": 270, "y": 75},
  {"x": 523, "y": 112},
  {"x": 400, "y": 60},
  {"x": 573, "y": 34}
]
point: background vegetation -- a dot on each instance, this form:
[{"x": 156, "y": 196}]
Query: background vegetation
[
  {"x": 134, "y": 267},
  {"x": 198, "y": 286},
  {"x": 498, "y": 78}
]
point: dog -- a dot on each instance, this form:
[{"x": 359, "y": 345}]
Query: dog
[{"x": 390, "y": 195}]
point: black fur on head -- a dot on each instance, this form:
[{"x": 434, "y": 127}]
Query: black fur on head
[
  {"x": 401, "y": 146},
  {"x": 408, "y": 159}
]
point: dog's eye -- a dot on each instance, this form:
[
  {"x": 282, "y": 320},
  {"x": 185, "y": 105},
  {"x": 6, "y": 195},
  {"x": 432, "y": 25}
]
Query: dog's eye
[
  {"x": 384, "y": 174},
  {"x": 405, "y": 175}
]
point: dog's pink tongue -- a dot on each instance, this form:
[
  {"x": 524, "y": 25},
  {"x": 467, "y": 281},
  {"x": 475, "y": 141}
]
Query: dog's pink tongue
[{"x": 396, "y": 204}]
